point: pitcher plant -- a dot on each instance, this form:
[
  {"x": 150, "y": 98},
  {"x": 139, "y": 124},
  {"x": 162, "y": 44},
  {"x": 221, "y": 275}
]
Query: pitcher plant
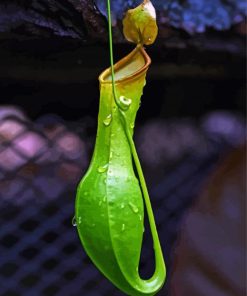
[{"x": 109, "y": 208}]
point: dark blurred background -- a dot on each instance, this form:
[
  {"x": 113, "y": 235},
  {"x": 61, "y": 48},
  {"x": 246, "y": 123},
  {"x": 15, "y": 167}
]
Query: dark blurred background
[{"x": 190, "y": 134}]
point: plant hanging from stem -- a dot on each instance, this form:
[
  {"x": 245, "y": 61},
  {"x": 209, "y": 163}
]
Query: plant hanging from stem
[{"x": 109, "y": 207}]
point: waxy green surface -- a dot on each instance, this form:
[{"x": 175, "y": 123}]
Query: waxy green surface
[{"x": 109, "y": 203}]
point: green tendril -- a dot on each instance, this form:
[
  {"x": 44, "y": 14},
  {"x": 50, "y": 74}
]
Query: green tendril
[{"x": 111, "y": 52}]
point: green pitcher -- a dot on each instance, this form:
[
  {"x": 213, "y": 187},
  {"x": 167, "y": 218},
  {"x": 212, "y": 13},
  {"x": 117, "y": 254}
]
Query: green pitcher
[{"x": 109, "y": 207}]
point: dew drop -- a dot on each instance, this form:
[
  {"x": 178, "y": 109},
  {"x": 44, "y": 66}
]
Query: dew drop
[
  {"x": 122, "y": 206},
  {"x": 133, "y": 207},
  {"x": 124, "y": 103},
  {"x": 107, "y": 120},
  {"x": 132, "y": 125},
  {"x": 104, "y": 199},
  {"x": 103, "y": 169},
  {"x": 74, "y": 221},
  {"x": 79, "y": 222},
  {"x": 123, "y": 227},
  {"x": 140, "y": 217}
]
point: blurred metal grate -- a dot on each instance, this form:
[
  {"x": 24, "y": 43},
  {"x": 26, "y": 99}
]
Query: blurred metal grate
[{"x": 40, "y": 165}]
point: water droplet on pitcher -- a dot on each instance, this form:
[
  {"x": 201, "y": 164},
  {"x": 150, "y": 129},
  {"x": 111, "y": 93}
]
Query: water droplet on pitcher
[
  {"x": 133, "y": 207},
  {"x": 79, "y": 222},
  {"x": 132, "y": 125},
  {"x": 103, "y": 169},
  {"x": 74, "y": 221},
  {"x": 104, "y": 199},
  {"x": 123, "y": 227},
  {"x": 140, "y": 217},
  {"x": 122, "y": 206},
  {"x": 108, "y": 120},
  {"x": 124, "y": 103}
]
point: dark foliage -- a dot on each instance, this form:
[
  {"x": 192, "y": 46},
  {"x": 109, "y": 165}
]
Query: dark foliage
[
  {"x": 83, "y": 20},
  {"x": 76, "y": 19},
  {"x": 189, "y": 15}
]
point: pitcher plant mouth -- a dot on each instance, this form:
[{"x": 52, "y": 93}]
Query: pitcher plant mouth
[{"x": 132, "y": 66}]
